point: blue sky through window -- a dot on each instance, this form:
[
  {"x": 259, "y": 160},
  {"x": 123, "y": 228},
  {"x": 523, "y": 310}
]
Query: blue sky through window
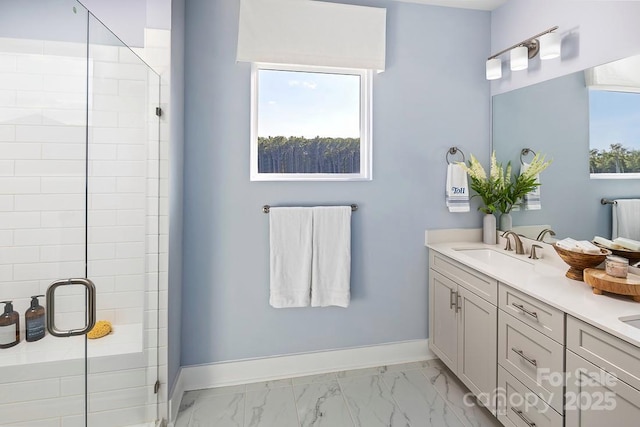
[
  {"x": 614, "y": 118},
  {"x": 292, "y": 103}
]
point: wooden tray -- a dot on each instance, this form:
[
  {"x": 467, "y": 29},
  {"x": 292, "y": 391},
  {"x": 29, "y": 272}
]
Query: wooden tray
[
  {"x": 632, "y": 256},
  {"x": 600, "y": 281}
]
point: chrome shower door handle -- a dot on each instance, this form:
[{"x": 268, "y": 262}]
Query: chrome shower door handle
[{"x": 90, "y": 308}]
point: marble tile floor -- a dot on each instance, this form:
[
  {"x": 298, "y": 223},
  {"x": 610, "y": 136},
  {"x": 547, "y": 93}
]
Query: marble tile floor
[{"x": 420, "y": 394}]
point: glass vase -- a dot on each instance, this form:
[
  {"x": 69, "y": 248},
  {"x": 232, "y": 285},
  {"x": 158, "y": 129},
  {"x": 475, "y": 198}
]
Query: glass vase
[{"x": 489, "y": 229}]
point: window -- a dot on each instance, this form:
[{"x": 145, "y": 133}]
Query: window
[
  {"x": 614, "y": 135},
  {"x": 310, "y": 123}
]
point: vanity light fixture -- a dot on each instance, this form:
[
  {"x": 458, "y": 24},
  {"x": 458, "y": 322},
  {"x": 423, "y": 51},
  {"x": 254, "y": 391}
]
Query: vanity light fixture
[{"x": 546, "y": 42}]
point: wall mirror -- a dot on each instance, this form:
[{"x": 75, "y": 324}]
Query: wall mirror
[{"x": 553, "y": 118}]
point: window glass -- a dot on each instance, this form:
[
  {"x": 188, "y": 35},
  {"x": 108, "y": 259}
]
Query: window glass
[{"x": 309, "y": 124}]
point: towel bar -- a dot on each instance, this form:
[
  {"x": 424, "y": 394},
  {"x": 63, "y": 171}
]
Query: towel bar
[
  {"x": 613, "y": 202},
  {"x": 266, "y": 208}
]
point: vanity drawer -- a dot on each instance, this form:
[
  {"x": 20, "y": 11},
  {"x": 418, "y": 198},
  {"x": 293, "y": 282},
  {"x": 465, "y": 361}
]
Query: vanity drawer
[
  {"x": 519, "y": 407},
  {"x": 540, "y": 316},
  {"x": 610, "y": 353},
  {"x": 530, "y": 357},
  {"x": 483, "y": 286}
]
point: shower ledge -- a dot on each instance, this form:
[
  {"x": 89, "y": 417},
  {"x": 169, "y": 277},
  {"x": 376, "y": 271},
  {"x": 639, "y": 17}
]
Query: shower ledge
[{"x": 125, "y": 339}]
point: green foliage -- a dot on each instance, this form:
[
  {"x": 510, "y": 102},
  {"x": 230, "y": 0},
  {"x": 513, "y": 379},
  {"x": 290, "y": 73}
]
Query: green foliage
[
  {"x": 500, "y": 191},
  {"x": 488, "y": 188},
  {"x": 279, "y": 154},
  {"x": 514, "y": 189},
  {"x": 617, "y": 159}
]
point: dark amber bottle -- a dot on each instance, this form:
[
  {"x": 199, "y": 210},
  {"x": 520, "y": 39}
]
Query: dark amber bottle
[
  {"x": 34, "y": 320},
  {"x": 9, "y": 326}
]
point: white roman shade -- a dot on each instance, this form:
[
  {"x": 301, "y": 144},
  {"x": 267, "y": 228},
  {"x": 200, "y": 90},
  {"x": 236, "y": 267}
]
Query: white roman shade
[
  {"x": 306, "y": 32},
  {"x": 619, "y": 76}
]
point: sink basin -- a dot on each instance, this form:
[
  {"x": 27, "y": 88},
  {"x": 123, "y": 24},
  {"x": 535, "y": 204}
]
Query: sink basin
[
  {"x": 495, "y": 258},
  {"x": 631, "y": 321}
]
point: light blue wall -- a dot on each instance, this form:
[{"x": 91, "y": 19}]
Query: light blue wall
[
  {"x": 432, "y": 95},
  {"x": 44, "y": 20},
  {"x": 176, "y": 184},
  {"x": 126, "y": 18}
]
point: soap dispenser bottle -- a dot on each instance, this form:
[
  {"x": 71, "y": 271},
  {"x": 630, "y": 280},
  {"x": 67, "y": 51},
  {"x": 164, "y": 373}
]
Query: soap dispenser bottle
[
  {"x": 34, "y": 320},
  {"x": 9, "y": 326}
]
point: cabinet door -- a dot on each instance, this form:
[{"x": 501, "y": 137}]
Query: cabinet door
[
  {"x": 443, "y": 326},
  {"x": 477, "y": 346},
  {"x": 595, "y": 398}
]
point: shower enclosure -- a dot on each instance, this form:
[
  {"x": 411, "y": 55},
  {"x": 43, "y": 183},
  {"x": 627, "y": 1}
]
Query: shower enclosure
[{"x": 79, "y": 205}]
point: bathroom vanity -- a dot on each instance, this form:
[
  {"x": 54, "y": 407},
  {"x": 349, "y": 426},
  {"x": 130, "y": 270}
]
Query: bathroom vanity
[{"x": 533, "y": 346}]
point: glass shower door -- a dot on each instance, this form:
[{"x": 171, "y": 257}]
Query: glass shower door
[
  {"x": 79, "y": 210},
  {"x": 43, "y": 210},
  {"x": 122, "y": 231}
]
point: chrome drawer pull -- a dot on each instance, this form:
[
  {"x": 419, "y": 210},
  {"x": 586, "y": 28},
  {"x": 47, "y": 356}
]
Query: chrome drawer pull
[
  {"x": 524, "y": 310},
  {"x": 452, "y": 298},
  {"x": 458, "y": 299},
  {"x": 521, "y": 354},
  {"x": 520, "y": 414}
]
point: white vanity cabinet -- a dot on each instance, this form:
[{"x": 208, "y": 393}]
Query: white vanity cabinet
[
  {"x": 512, "y": 338},
  {"x": 603, "y": 378},
  {"x": 462, "y": 324}
]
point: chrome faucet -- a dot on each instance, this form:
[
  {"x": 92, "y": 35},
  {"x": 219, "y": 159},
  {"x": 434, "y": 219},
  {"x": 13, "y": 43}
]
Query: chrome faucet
[
  {"x": 549, "y": 231},
  {"x": 516, "y": 239}
]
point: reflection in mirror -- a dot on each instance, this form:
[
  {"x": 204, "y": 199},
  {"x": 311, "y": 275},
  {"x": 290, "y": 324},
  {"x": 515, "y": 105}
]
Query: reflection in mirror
[
  {"x": 552, "y": 117},
  {"x": 614, "y": 110}
]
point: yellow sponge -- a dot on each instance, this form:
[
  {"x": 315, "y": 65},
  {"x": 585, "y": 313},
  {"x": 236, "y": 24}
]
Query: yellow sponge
[{"x": 101, "y": 328}]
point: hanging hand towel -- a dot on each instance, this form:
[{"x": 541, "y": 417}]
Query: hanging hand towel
[
  {"x": 290, "y": 256},
  {"x": 531, "y": 200},
  {"x": 331, "y": 265},
  {"x": 457, "y": 191},
  {"x": 625, "y": 219}
]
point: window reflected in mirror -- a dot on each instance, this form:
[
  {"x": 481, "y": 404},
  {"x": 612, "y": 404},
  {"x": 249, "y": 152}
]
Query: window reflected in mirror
[{"x": 614, "y": 132}]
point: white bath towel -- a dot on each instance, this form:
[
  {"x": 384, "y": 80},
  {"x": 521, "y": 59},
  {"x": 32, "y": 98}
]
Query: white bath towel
[
  {"x": 331, "y": 266},
  {"x": 531, "y": 200},
  {"x": 290, "y": 234},
  {"x": 457, "y": 190},
  {"x": 625, "y": 219}
]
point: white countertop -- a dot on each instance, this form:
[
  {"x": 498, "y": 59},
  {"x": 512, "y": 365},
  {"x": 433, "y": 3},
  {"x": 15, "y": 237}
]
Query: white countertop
[{"x": 545, "y": 280}]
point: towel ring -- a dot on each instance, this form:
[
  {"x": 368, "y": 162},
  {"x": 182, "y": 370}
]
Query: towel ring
[
  {"x": 453, "y": 151},
  {"x": 525, "y": 152}
]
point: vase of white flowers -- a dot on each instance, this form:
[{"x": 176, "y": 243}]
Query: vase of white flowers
[
  {"x": 500, "y": 191},
  {"x": 488, "y": 189}
]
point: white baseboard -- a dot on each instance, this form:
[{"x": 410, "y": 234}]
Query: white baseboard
[{"x": 294, "y": 365}]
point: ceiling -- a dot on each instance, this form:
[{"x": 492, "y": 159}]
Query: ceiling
[{"x": 465, "y": 4}]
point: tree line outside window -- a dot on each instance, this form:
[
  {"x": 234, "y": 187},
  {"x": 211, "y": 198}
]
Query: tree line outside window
[
  {"x": 616, "y": 159},
  {"x": 279, "y": 154}
]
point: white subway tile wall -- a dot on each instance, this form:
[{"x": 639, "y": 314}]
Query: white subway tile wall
[{"x": 42, "y": 226}]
